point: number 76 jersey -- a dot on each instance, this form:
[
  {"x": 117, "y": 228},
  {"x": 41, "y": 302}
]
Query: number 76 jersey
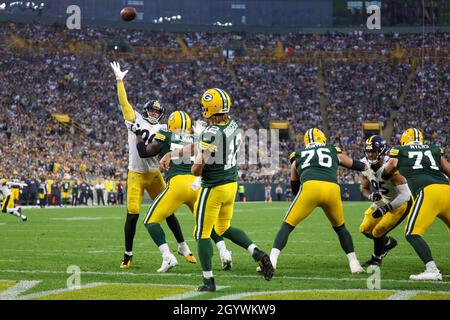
[
  {"x": 317, "y": 162},
  {"x": 420, "y": 165}
]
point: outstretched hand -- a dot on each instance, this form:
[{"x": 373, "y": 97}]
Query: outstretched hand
[{"x": 117, "y": 72}]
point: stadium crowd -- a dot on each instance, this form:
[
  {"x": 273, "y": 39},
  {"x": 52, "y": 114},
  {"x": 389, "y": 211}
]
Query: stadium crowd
[{"x": 83, "y": 87}]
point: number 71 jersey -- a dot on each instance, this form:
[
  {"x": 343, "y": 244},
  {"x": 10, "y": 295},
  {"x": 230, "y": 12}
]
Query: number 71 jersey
[
  {"x": 316, "y": 162},
  {"x": 420, "y": 165}
]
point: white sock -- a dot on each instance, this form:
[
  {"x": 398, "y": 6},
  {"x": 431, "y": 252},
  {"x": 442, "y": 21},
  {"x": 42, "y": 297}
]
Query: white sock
[
  {"x": 352, "y": 257},
  {"x": 251, "y": 248},
  {"x": 164, "y": 249},
  {"x": 275, "y": 253},
  {"x": 431, "y": 266},
  {"x": 182, "y": 246},
  {"x": 221, "y": 246},
  {"x": 129, "y": 253},
  {"x": 207, "y": 274},
  {"x": 13, "y": 211}
]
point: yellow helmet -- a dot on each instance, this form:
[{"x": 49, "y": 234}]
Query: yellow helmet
[
  {"x": 314, "y": 135},
  {"x": 215, "y": 101},
  {"x": 179, "y": 120},
  {"x": 412, "y": 135}
]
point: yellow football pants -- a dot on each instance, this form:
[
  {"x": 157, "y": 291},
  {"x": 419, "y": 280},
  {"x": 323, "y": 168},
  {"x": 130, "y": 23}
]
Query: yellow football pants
[
  {"x": 431, "y": 202},
  {"x": 15, "y": 194},
  {"x": 8, "y": 203},
  {"x": 177, "y": 193},
  {"x": 214, "y": 209},
  {"x": 378, "y": 227},
  {"x": 152, "y": 182},
  {"x": 313, "y": 194}
]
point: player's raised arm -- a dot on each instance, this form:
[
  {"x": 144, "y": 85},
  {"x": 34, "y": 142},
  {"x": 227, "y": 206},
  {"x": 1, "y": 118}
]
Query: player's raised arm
[
  {"x": 350, "y": 163},
  {"x": 127, "y": 109}
]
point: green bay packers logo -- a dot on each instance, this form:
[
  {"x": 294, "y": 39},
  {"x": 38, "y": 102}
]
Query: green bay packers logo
[{"x": 207, "y": 97}]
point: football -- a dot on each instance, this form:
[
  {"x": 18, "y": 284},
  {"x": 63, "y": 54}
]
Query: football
[{"x": 128, "y": 13}]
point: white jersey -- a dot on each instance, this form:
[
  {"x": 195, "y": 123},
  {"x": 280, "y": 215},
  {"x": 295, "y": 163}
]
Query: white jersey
[
  {"x": 135, "y": 162},
  {"x": 5, "y": 190},
  {"x": 384, "y": 187}
]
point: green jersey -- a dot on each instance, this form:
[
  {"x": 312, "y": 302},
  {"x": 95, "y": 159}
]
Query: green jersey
[
  {"x": 420, "y": 165},
  {"x": 220, "y": 143},
  {"x": 170, "y": 141},
  {"x": 317, "y": 163}
]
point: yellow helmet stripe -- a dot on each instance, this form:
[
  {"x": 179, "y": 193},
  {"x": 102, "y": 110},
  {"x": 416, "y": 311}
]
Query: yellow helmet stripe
[
  {"x": 311, "y": 135},
  {"x": 224, "y": 98},
  {"x": 370, "y": 139}
]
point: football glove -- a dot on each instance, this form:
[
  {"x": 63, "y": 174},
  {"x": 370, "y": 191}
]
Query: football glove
[
  {"x": 381, "y": 211},
  {"x": 117, "y": 72},
  {"x": 196, "y": 184},
  {"x": 133, "y": 127},
  {"x": 375, "y": 196},
  {"x": 199, "y": 127}
]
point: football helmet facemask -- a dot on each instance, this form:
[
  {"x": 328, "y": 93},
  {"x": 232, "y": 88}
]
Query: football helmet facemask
[
  {"x": 375, "y": 148},
  {"x": 153, "y": 105}
]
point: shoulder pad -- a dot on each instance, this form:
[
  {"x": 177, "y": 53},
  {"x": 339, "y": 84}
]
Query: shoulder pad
[
  {"x": 394, "y": 152},
  {"x": 292, "y": 156}
]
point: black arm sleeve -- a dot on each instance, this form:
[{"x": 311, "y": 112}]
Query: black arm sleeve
[
  {"x": 142, "y": 149},
  {"x": 358, "y": 165},
  {"x": 385, "y": 175},
  {"x": 295, "y": 185}
]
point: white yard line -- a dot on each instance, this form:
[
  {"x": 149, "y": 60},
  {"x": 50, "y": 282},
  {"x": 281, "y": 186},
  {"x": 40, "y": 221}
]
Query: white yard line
[
  {"x": 403, "y": 295},
  {"x": 400, "y": 295},
  {"x": 13, "y": 292},
  {"x": 188, "y": 295},
  {"x": 50, "y": 292},
  {"x": 229, "y": 276}
]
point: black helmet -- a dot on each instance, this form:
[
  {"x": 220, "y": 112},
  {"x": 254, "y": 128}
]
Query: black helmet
[
  {"x": 153, "y": 105},
  {"x": 376, "y": 144}
]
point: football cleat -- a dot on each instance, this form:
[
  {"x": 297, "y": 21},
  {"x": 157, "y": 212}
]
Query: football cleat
[
  {"x": 427, "y": 275},
  {"x": 263, "y": 260},
  {"x": 23, "y": 217},
  {"x": 126, "y": 262},
  {"x": 355, "y": 267},
  {"x": 374, "y": 261},
  {"x": 187, "y": 254},
  {"x": 168, "y": 263},
  {"x": 274, "y": 265},
  {"x": 207, "y": 286},
  {"x": 390, "y": 244},
  {"x": 225, "y": 258}
]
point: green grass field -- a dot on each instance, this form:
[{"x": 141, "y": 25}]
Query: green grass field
[{"x": 36, "y": 255}]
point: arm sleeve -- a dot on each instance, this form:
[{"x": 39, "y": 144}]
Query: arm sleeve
[
  {"x": 127, "y": 109},
  {"x": 403, "y": 195}
]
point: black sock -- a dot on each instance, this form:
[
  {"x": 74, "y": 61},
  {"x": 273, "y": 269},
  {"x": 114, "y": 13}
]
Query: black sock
[
  {"x": 282, "y": 236},
  {"x": 215, "y": 237},
  {"x": 175, "y": 227},
  {"x": 378, "y": 245},
  {"x": 345, "y": 239},
  {"x": 130, "y": 230},
  {"x": 421, "y": 247}
]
